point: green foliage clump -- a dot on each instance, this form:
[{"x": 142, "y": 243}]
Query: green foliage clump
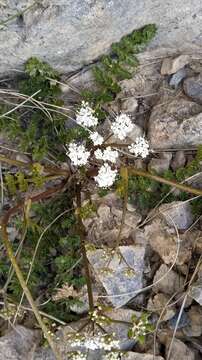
[
  {"x": 36, "y": 129},
  {"x": 141, "y": 327},
  {"x": 117, "y": 66},
  {"x": 40, "y": 77},
  {"x": 146, "y": 193},
  {"x": 58, "y": 259}
]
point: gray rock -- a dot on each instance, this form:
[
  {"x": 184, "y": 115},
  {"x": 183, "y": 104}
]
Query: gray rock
[
  {"x": 194, "y": 329},
  {"x": 129, "y": 105},
  {"x": 175, "y": 124},
  {"x": 184, "y": 321},
  {"x": 140, "y": 356},
  {"x": 171, "y": 66},
  {"x": 103, "y": 228},
  {"x": 196, "y": 292},
  {"x": 177, "y": 213},
  {"x": 193, "y": 88},
  {"x": 179, "y": 160},
  {"x": 164, "y": 240},
  {"x": 64, "y": 343},
  {"x": 19, "y": 344},
  {"x": 158, "y": 303},
  {"x": 120, "y": 272},
  {"x": 120, "y": 330},
  {"x": 71, "y": 34},
  {"x": 177, "y": 78},
  {"x": 179, "y": 350},
  {"x": 171, "y": 281},
  {"x": 161, "y": 164}
]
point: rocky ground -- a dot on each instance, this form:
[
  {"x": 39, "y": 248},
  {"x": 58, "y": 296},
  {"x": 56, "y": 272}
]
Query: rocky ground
[{"x": 163, "y": 245}]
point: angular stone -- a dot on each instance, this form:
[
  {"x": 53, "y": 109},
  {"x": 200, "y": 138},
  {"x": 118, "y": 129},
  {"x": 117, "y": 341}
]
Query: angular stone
[
  {"x": 171, "y": 281},
  {"x": 194, "y": 329},
  {"x": 164, "y": 240},
  {"x": 19, "y": 344},
  {"x": 179, "y": 160},
  {"x": 177, "y": 213},
  {"x": 158, "y": 303},
  {"x": 179, "y": 350},
  {"x": 119, "y": 328},
  {"x": 171, "y": 66},
  {"x": 161, "y": 164},
  {"x": 103, "y": 228},
  {"x": 196, "y": 292},
  {"x": 175, "y": 124},
  {"x": 177, "y": 78},
  {"x": 193, "y": 88},
  {"x": 119, "y": 273},
  {"x": 129, "y": 105},
  {"x": 140, "y": 356}
]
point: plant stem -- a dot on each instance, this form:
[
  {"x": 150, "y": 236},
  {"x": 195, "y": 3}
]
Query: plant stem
[
  {"x": 182, "y": 187},
  {"x": 56, "y": 171},
  {"x": 81, "y": 231},
  {"x": 26, "y": 290}
]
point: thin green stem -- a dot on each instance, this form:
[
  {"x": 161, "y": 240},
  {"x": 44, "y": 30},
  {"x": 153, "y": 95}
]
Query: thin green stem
[
  {"x": 81, "y": 231},
  {"x": 182, "y": 187}
]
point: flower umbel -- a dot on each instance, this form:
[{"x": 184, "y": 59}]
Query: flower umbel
[
  {"x": 122, "y": 126},
  {"x": 106, "y": 176},
  {"x": 86, "y": 116},
  {"x": 96, "y": 138},
  {"x": 140, "y": 147},
  {"x": 78, "y": 154},
  {"x": 107, "y": 155},
  {"x": 104, "y": 342}
]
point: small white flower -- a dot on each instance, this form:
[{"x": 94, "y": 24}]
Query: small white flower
[
  {"x": 140, "y": 147},
  {"x": 96, "y": 138},
  {"x": 78, "y": 355},
  {"x": 122, "y": 126},
  {"x": 107, "y": 155},
  {"x": 78, "y": 154},
  {"x": 86, "y": 116},
  {"x": 106, "y": 176},
  {"x": 112, "y": 356}
]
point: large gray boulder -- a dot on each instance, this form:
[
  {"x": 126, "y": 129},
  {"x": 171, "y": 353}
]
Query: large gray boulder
[
  {"x": 70, "y": 34},
  {"x": 19, "y": 344}
]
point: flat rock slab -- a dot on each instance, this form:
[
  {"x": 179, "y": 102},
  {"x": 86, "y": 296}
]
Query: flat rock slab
[
  {"x": 70, "y": 34},
  {"x": 119, "y": 274}
]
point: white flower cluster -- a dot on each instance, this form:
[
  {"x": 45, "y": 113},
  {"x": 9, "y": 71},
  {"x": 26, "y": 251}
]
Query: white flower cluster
[
  {"x": 122, "y": 126},
  {"x": 78, "y": 154},
  {"x": 86, "y": 116},
  {"x": 96, "y": 138},
  {"x": 112, "y": 356},
  {"x": 139, "y": 329},
  {"x": 106, "y": 176},
  {"x": 140, "y": 147},
  {"x": 107, "y": 155},
  {"x": 77, "y": 355},
  {"x": 103, "y": 342}
]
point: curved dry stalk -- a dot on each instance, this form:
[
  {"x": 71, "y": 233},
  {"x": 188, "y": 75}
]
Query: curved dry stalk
[
  {"x": 52, "y": 170},
  {"x": 26, "y": 290},
  {"x": 182, "y": 306},
  {"x": 34, "y": 257}
]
